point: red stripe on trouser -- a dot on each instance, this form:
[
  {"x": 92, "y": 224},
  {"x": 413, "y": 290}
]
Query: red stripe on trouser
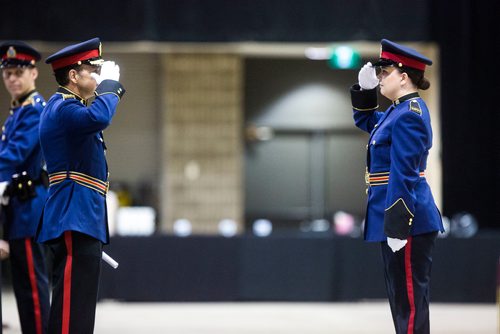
[
  {"x": 409, "y": 286},
  {"x": 34, "y": 288},
  {"x": 67, "y": 283}
]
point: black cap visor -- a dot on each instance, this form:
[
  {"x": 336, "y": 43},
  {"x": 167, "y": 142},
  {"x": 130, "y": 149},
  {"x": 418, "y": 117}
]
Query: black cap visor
[
  {"x": 12, "y": 62},
  {"x": 384, "y": 62}
]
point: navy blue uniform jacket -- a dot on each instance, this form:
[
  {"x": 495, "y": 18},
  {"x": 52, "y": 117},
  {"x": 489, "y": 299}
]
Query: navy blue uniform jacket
[
  {"x": 74, "y": 150},
  {"x": 20, "y": 151},
  {"x": 400, "y": 201}
]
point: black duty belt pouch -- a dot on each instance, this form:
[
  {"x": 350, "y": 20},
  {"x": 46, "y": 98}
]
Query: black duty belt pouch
[{"x": 23, "y": 187}]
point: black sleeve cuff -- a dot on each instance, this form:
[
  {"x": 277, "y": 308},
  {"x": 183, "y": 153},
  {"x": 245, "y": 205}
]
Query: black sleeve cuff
[
  {"x": 363, "y": 100},
  {"x": 110, "y": 87},
  {"x": 398, "y": 220}
]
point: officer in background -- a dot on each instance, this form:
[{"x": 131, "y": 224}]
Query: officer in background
[
  {"x": 74, "y": 224},
  {"x": 401, "y": 213},
  {"x": 23, "y": 184}
]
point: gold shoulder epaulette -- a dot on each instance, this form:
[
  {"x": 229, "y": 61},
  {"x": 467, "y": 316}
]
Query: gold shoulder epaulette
[
  {"x": 68, "y": 96},
  {"x": 29, "y": 101},
  {"x": 415, "y": 107}
]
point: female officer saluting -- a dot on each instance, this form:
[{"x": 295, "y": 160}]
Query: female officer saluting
[{"x": 401, "y": 213}]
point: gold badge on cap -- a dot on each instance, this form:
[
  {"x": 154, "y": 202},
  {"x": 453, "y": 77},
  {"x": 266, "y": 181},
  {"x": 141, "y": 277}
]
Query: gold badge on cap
[
  {"x": 100, "y": 49},
  {"x": 11, "y": 52}
]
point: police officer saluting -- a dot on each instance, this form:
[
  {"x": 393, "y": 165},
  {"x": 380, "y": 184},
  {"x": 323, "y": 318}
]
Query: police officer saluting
[
  {"x": 22, "y": 184},
  {"x": 74, "y": 221},
  {"x": 401, "y": 213}
]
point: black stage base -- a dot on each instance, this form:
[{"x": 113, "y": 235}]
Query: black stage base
[{"x": 286, "y": 268}]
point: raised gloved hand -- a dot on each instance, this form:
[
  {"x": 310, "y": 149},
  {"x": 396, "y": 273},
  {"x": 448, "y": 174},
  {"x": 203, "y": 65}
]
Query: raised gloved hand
[
  {"x": 4, "y": 249},
  {"x": 4, "y": 199},
  {"x": 396, "y": 244},
  {"x": 367, "y": 77},
  {"x": 109, "y": 71}
]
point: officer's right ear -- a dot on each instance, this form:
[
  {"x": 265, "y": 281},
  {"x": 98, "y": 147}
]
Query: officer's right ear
[
  {"x": 73, "y": 76},
  {"x": 34, "y": 73}
]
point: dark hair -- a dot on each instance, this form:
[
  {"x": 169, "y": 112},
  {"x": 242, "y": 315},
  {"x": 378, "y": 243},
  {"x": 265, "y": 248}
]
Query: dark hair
[
  {"x": 61, "y": 74},
  {"x": 417, "y": 77}
]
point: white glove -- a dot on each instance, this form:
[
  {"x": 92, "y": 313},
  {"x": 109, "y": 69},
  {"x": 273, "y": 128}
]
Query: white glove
[
  {"x": 4, "y": 249},
  {"x": 396, "y": 244},
  {"x": 367, "y": 77},
  {"x": 109, "y": 71},
  {"x": 4, "y": 200}
]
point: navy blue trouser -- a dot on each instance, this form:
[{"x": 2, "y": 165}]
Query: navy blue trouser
[
  {"x": 75, "y": 279},
  {"x": 1, "y": 320},
  {"x": 407, "y": 280},
  {"x": 30, "y": 283}
]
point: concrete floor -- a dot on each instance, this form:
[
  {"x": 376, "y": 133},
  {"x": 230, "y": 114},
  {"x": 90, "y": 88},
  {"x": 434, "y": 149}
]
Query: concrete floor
[{"x": 271, "y": 318}]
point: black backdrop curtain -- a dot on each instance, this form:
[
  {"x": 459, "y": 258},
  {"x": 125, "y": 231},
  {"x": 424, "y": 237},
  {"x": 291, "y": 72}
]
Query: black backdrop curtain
[{"x": 469, "y": 39}]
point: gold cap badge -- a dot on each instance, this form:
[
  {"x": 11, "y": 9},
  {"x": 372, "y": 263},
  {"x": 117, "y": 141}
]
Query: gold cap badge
[{"x": 11, "y": 52}]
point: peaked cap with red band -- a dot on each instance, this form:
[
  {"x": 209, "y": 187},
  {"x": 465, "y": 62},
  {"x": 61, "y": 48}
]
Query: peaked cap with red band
[
  {"x": 393, "y": 53},
  {"x": 18, "y": 53},
  {"x": 88, "y": 52}
]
